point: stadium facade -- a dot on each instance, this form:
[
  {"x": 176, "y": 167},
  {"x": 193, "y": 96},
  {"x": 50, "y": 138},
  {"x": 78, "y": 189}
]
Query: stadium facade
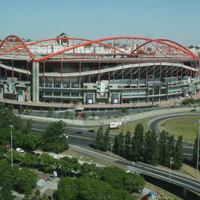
[{"x": 120, "y": 70}]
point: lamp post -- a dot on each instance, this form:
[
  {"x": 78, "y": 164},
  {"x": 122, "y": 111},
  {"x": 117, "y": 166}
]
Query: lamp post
[
  {"x": 170, "y": 167},
  {"x": 11, "y": 127},
  {"x": 197, "y": 151},
  {"x": 111, "y": 149}
]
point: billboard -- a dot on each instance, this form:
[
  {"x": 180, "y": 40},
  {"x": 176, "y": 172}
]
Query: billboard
[
  {"x": 90, "y": 101},
  {"x": 11, "y": 87},
  {"x": 115, "y": 101}
]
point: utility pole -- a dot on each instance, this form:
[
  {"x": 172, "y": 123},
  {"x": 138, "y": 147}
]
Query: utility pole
[
  {"x": 11, "y": 127},
  {"x": 197, "y": 167}
]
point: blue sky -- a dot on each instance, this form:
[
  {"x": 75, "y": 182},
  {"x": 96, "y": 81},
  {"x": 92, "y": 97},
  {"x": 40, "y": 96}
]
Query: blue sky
[{"x": 176, "y": 20}]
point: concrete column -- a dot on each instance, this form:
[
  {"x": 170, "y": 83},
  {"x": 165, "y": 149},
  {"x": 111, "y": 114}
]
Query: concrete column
[
  {"x": 35, "y": 82},
  {"x": 184, "y": 192}
]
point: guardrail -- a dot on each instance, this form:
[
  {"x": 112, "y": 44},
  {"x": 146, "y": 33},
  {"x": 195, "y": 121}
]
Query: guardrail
[{"x": 170, "y": 179}]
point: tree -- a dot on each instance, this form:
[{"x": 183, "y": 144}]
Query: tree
[
  {"x": 30, "y": 160},
  {"x": 188, "y": 101},
  {"x": 3, "y": 150},
  {"x": 18, "y": 138},
  {"x": 6, "y": 193},
  {"x": 128, "y": 143},
  {"x": 20, "y": 110},
  {"x": 162, "y": 146},
  {"x": 191, "y": 47},
  {"x": 169, "y": 151},
  {"x": 121, "y": 140},
  {"x": 137, "y": 143},
  {"x": 53, "y": 138},
  {"x": 17, "y": 158},
  {"x": 48, "y": 162},
  {"x": 178, "y": 154},
  {"x": 27, "y": 111},
  {"x": 25, "y": 180},
  {"x": 41, "y": 111},
  {"x": 31, "y": 141},
  {"x": 151, "y": 148},
  {"x": 133, "y": 182},
  {"x": 194, "y": 157},
  {"x": 11, "y": 107},
  {"x": 7, "y": 118},
  {"x": 69, "y": 164},
  {"x": 50, "y": 112},
  {"x": 124, "y": 110},
  {"x": 106, "y": 140},
  {"x": 29, "y": 125},
  {"x": 116, "y": 144},
  {"x": 76, "y": 114},
  {"x": 99, "y": 138},
  {"x": 93, "y": 115},
  {"x": 4, "y": 136},
  {"x": 67, "y": 113}
]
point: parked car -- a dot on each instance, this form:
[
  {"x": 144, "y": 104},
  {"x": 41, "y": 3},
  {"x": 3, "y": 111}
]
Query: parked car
[
  {"x": 52, "y": 177},
  {"x": 37, "y": 154},
  {"x": 92, "y": 131},
  {"x": 30, "y": 152},
  {"x": 8, "y": 146},
  {"x": 79, "y": 132},
  {"x": 20, "y": 150}
]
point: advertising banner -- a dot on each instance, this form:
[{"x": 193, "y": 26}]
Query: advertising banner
[
  {"x": 90, "y": 101},
  {"x": 115, "y": 101},
  {"x": 27, "y": 97}
]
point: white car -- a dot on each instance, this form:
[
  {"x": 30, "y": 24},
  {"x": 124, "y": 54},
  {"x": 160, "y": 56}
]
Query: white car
[
  {"x": 64, "y": 135},
  {"x": 20, "y": 150}
]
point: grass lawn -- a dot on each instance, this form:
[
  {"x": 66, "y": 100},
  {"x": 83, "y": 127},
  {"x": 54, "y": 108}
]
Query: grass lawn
[
  {"x": 129, "y": 126},
  {"x": 185, "y": 126}
]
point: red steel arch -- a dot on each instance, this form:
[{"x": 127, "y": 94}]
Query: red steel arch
[
  {"x": 165, "y": 40},
  {"x": 114, "y": 38},
  {"x": 161, "y": 41},
  {"x": 40, "y": 41},
  {"x": 23, "y": 45}
]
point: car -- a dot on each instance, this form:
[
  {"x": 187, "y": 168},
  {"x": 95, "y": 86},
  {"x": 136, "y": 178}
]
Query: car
[
  {"x": 20, "y": 150},
  {"x": 64, "y": 135},
  {"x": 52, "y": 177},
  {"x": 31, "y": 152},
  {"x": 8, "y": 146},
  {"x": 37, "y": 154},
  {"x": 92, "y": 131},
  {"x": 79, "y": 132}
]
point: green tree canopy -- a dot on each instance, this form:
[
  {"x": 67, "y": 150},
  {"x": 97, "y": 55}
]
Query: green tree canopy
[
  {"x": 7, "y": 118},
  {"x": 169, "y": 150},
  {"x": 106, "y": 140},
  {"x": 30, "y": 160},
  {"x": 25, "y": 180},
  {"x": 178, "y": 154},
  {"x": 48, "y": 162},
  {"x": 28, "y": 127},
  {"x": 99, "y": 138},
  {"x": 194, "y": 157},
  {"x": 162, "y": 146},
  {"x": 53, "y": 138}
]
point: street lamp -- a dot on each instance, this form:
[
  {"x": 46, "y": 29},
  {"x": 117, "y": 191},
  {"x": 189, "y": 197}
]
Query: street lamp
[
  {"x": 11, "y": 127},
  {"x": 197, "y": 151},
  {"x": 111, "y": 149},
  {"x": 170, "y": 167}
]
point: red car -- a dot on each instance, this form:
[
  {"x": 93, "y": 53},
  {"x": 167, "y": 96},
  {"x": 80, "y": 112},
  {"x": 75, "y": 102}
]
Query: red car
[{"x": 8, "y": 146}]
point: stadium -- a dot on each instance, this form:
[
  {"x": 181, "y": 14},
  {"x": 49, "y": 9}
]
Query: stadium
[{"x": 115, "y": 71}]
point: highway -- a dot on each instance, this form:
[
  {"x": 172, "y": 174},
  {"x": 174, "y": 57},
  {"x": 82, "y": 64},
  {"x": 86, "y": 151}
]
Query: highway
[{"x": 86, "y": 139}]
